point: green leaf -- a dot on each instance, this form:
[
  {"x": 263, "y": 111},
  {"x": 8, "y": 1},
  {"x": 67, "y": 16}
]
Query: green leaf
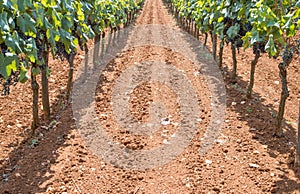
[
  {"x": 270, "y": 46},
  {"x": 9, "y": 63},
  {"x": 26, "y": 24},
  {"x": 12, "y": 42},
  {"x": 4, "y": 23},
  {"x": 35, "y": 71},
  {"x": 21, "y": 6},
  {"x": 233, "y": 31},
  {"x": 23, "y": 75}
]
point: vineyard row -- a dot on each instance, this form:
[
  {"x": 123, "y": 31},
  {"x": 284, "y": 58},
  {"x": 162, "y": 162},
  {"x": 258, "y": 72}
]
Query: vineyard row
[{"x": 31, "y": 30}]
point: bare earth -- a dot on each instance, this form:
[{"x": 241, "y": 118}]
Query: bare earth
[{"x": 246, "y": 158}]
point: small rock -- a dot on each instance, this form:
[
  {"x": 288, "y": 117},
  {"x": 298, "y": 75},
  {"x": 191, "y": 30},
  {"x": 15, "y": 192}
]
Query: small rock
[
  {"x": 252, "y": 129},
  {"x": 19, "y": 125},
  {"x": 276, "y": 82},
  {"x": 188, "y": 185},
  {"x": 199, "y": 120},
  {"x": 256, "y": 152},
  {"x": 220, "y": 141},
  {"x": 166, "y": 141},
  {"x": 196, "y": 73},
  {"x": 5, "y": 177},
  {"x": 175, "y": 124},
  {"x": 208, "y": 162},
  {"x": 233, "y": 103},
  {"x": 243, "y": 102},
  {"x": 51, "y": 80},
  {"x": 272, "y": 174},
  {"x": 253, "y": 165},
  {"x": 165, "y": 121}
]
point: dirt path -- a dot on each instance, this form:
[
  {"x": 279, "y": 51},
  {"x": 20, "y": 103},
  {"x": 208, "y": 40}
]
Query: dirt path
[{"x": 244, "y": 159}]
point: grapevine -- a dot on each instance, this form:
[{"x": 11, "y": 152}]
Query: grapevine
[
  {"x": 30, "y": 30},
  {"x": 264, "y": 26}
]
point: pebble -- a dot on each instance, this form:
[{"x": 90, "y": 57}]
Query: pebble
[
  {"x": 188, "y": 185},
  {"x": 19, "y": 125},
  {"x": 256, "y": 152},
  {"x": 166, "y": 141},
  {"x": 253, "y": 165},
  {"x": 233, "y": 103},
  {"x": 220, "y": 141},
  {"x": 199, "y": 120},
  {"x": 165, "y": 121},
  {"x": 44, "y": 127},
  {"x": 5, "y": 177},
  {"x": 208, "y": 162},
  {"x": 252, "y": 129}
]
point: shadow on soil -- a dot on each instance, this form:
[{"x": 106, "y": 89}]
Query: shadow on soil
[
  {"x": 30, "y": 164},
  {"x": 261, "y": 117},
  {"x": 29, "y": 168}
]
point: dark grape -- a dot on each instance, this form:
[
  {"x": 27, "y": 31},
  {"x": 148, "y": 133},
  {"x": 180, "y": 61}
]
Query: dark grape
[{"x": 287, "y": 55}]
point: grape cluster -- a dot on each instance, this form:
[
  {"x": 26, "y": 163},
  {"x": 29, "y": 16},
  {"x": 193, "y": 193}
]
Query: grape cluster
[
  {"x": 4, "y": 48},
  {"x": 61, "y": 52},
  {"x": 259, "y": 47},
  {"x": 287, "y": 55},
  {"x": 244, "y": 28},
  {"x": 12, "y": 80}
]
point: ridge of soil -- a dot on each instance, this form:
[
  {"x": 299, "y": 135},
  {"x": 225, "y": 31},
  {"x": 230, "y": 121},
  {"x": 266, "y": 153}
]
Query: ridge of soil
[{"x": 245, "y": 159}]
